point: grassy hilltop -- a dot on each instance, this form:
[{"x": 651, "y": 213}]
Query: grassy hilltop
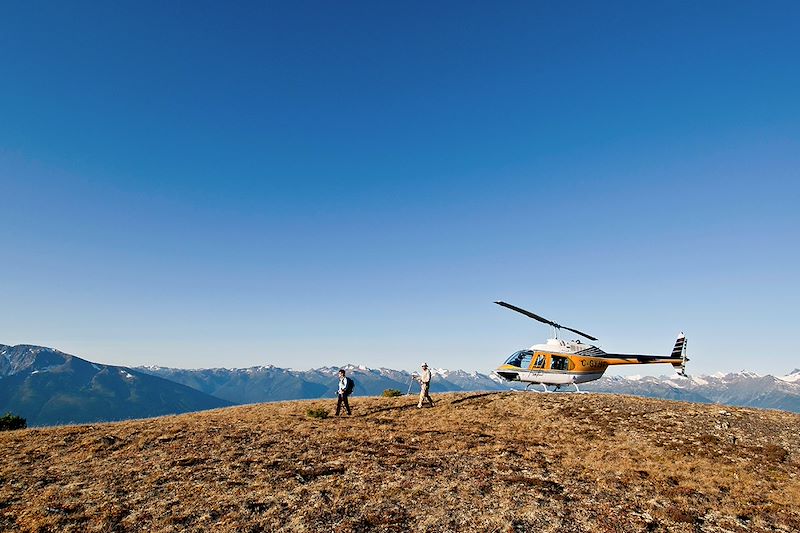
[{"x": 475, "y": 462}]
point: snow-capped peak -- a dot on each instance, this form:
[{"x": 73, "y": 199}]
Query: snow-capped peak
[
  {"x": 792, "y": 377},
  {"x": 749, "y": 374},
  {"x": 350, "y": 366}
]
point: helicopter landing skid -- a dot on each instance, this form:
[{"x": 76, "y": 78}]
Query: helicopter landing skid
[
  {"x": 556, "y": 388},
  {"x": 544, "y": 387}
]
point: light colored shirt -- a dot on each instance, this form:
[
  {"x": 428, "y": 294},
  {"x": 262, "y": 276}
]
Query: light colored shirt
[
  {"x": 342, "y": 384},
  {"x": 425, "y": 377}
]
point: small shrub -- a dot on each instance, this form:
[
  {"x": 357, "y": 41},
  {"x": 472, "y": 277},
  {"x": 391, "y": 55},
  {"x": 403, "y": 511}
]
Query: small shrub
[
  {"x": 9, "y": 422},
  {"x": 775, "y": 453},
  {"x": 681, "y": 515},
  {"x": 392, "y": 393},
  {"x": 708, "y": 439},
  {"x": 317, "y": 412}
]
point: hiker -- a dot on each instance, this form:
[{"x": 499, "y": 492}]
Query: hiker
[
  {"x": 345, "y": 390},
  {"x": 425, "y": 386}
]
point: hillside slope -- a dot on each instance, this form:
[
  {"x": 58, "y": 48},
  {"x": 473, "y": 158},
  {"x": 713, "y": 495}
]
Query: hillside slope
[{"x": 476, "y": 462}]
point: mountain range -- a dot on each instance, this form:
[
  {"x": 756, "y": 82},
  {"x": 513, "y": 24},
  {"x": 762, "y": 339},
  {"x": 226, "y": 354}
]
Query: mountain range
[
  {"x": 745, "y": 389},
  {"x": 270, "y": 383},
  {"x": 258, "y": 384},
  {"x": 49, "y": 387}
]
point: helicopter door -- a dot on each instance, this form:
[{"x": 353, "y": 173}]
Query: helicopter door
[
  {"x": 559, "y": 363},
  {"x": 539, "y": 362}
]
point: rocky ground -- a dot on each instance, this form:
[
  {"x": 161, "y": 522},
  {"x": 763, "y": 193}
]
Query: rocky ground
[{"x": 505, "y": 461}]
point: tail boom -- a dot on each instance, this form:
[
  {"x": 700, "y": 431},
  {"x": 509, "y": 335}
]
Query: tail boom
[{"x": 677, "y": 358}]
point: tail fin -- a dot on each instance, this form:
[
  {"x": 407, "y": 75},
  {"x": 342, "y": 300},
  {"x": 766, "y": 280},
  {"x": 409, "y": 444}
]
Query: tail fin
[{"x": 679, "y": 353}]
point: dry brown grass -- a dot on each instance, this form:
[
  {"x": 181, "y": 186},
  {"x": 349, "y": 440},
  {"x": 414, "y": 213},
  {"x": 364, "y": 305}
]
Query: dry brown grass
[{"x": 475, "y": 462}]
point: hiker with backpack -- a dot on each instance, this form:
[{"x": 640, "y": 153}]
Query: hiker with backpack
[{"x": 345, "y": 390}]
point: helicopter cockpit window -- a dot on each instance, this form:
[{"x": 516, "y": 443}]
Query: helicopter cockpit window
[
  {"x": 539, "y": 363},
  {"x": 559, "y": 363},
  {"x": 517, "y": 358}
]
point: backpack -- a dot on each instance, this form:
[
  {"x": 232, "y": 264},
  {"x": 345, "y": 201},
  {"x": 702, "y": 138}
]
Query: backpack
[{"x": 348, "y": 388}]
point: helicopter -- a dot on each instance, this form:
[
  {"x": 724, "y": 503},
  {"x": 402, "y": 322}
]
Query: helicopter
[{"x": 560, "y": 363}]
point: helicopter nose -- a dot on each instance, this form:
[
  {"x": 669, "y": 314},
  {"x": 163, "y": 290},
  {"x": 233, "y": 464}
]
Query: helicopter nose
[{"x": 508, "y": 375}]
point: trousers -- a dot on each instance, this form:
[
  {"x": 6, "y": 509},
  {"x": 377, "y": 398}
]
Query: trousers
[
  {"x": 343, "y": 400},
  {"x": 424, "y": 394}
]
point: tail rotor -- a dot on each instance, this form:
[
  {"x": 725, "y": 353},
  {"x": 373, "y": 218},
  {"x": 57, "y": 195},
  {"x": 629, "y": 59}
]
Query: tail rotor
[{"x": 679, "y": 353}]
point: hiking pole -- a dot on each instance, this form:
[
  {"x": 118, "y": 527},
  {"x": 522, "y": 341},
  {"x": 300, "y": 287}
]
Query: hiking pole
[{"x": 410, "y": 382}]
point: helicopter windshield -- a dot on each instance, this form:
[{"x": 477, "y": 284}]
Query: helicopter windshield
[{"x": 521, "y": 358}]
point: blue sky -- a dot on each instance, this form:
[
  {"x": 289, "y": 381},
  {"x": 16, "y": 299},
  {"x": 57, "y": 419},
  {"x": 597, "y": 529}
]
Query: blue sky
[{"x": 306, "y": 184}]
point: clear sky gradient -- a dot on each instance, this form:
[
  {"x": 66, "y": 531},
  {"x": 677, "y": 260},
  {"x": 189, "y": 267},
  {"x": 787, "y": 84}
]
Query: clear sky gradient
[{"x": 200, "y": 184}]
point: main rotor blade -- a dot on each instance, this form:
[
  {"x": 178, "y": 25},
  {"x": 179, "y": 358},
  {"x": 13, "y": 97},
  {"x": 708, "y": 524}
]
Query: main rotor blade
[
  {"x": 543, "y": 320},
  {"x": 528, "y": 314},
  {"x": 580, "y": 333}
]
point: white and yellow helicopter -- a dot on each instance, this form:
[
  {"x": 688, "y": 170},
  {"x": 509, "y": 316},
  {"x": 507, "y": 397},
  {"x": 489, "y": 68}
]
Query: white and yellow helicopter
[{"x": 559, "y": 362}]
